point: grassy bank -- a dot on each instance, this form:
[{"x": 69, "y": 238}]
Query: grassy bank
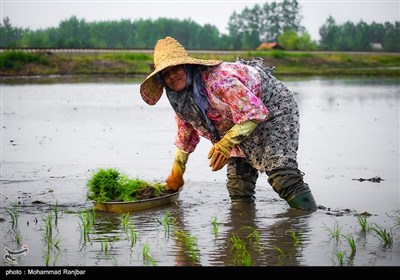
[{"x": 14, "y": 64}]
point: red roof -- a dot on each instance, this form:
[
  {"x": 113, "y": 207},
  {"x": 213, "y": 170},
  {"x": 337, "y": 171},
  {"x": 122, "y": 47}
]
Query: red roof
[{"x": 267, "y": 46}]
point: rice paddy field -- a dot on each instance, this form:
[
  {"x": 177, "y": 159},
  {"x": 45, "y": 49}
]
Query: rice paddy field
[{"x": 56, "y": 135}]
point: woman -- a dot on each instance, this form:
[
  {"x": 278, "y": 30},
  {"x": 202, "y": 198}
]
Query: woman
[{"x": 251, "y": 118}]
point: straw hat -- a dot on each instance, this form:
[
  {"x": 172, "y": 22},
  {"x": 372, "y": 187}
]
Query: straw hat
[{"x": 167, "y": 52}]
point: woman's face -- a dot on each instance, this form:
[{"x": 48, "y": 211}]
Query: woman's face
[{"x": 174, "y": 77}]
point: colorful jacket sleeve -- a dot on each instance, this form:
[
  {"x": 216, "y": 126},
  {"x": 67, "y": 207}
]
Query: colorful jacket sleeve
[{"x": 187, "y": 136}]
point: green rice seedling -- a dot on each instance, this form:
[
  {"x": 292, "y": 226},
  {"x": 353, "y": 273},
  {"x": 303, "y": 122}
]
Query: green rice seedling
[
  {"x": 254, "y": 237},
  {"x": 104, "y": 185},
  {"x": 56, "y": 243},
  {"x": 166, "y": 223},
  {"x": 350, "y": 240},
  {"x": 340, "y": 257},
  {"x": 125, "y": 221},
  {"x": 173, "y": 222},
  {"x": 215, "y": 224},
  {"x": 18, "y": 237},
  {"x": 130, "y": 188},
  {"x": 362, "y": 220},
  {"x": 128, "y": 229},
  {"x": 295, "y": 236},
  {"x": 242, "y": 255},
  {"x": 14, "y": 214},
  {"x": 53, "y": 247},
  {"x": 47, "y": 258},
  {"x": 132, "y": 235},
  {"x": 56, "y": 257},
  {"x": 108, "y": 255},
  {"x": 383, "y": 235},
  {"x": 104, "y": 246},
  {"x": 51, "y": 242},
  {"x": 335, "y": 232},
  {"x": 282, "y": 253},
  {"x": 55, "y": 209},
  {"x": 13, "y": 211},
  {"x": 48, "y": 222},
  {"x": 146, "y": 255},
  {"x": 113, "y": 260},
  {"x": 93, "y": 214},
  {"x": 190, "y": 243},
  {"x": 350, "y": 259},
  {"x": 87, "y": 219},
  {"x": 107, "y": 242},
  {"x": 160, "y": 189}
]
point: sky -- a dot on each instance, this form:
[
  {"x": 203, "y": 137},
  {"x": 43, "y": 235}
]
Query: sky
[{"x": 49, "y": 13}]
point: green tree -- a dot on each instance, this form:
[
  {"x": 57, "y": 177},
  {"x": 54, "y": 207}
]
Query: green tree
[
  {"x": 376, "y": 32},
  {"x": 391, "y": 40},
  {"x": 10, "y": 35},
  {"x": 291, "y": 16},
  {"x": 290, "y": 40},
  {"x": 272, "y": 22},
  {"x": 329, "y": 33},
  {"x": 264, "y": 23},
  {"x": 235, "y": 28},
  {"x": 74, "y": 33},
  {"x": 360, "y": 36}
]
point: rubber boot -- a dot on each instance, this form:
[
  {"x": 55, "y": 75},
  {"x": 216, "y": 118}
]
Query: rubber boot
[
  {"x": 242, "y": 179},
  {"x": 289, "y": 184},
  {"x": 304, "y": 202}
]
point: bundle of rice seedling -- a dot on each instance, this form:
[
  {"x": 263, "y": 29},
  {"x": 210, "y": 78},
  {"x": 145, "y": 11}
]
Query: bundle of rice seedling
[{"x": 107, "y": 185}]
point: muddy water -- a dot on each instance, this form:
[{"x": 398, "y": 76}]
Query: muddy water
[{"x": 55, "y": 135}]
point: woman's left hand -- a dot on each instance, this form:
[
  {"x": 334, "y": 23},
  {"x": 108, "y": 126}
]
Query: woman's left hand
[
  {"x": 219, "y": 157},
  {"x": 220, "y": 151}
]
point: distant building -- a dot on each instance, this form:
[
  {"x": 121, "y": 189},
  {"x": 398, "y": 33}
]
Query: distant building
[
  {"x": 269, "y": 46},
  {"x": 376, "y": 46}
]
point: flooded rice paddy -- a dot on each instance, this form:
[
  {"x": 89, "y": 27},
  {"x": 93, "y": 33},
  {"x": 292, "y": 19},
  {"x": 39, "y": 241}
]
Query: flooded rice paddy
[{"x": 54, "y": 136}]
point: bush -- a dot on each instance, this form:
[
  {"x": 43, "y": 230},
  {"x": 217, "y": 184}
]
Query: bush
[{"x": 15, "y": 59}]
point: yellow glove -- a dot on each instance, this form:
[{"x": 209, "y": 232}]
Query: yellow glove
[
  {"x": 220, "y": 152},
  {"x": 175, "y": 179}
]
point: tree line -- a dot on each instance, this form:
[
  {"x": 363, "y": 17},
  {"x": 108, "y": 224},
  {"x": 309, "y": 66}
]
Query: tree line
[{"x": 271, "y": 22}]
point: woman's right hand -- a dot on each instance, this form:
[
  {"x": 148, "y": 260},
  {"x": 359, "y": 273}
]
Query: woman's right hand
[{"x": 174, "y": 181}]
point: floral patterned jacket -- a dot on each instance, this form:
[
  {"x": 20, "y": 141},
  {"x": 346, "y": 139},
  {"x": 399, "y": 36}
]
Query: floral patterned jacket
[{"x": 234, "y": 96}]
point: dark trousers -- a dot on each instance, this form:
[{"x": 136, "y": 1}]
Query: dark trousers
[{"x": 242, "y": 179}]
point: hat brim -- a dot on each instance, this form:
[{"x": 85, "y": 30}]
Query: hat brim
[{"x": 151, "y": 90}]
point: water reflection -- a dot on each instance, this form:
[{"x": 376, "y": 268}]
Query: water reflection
[
  {"x": 107, "y": 223},
  {"x": 246, "y": 243},
  {"x": 185, "y": 247}
]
